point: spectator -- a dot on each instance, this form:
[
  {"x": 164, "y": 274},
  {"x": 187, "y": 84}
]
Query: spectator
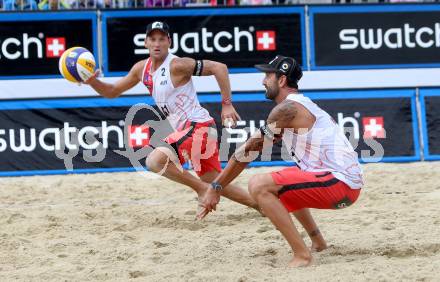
[
  {"x": 181, "y": 3},
  {"x": 115, "y": 4},
  {"x": 11, "y": 5},
  {"x": 158, "y": 3},
  {"x": 192, "y": 3},
  {"x": 222, "y": 2},
  {"x": 407, "y": 1},
  {"x": 104, "y": 4},
  {"x": 87, "y": 4},
  {"x": 53, "y": 5},
  {"x": 255, "y": 2}
]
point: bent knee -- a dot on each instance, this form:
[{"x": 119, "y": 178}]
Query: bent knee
[
  {"x": 156, "y": 160},
  {"x": 262, "y": 184},
  {"x": 257, "y": 185}
]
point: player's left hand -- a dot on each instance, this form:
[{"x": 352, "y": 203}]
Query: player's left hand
[
  {"x": 209, "y": 202},
  {"x": 229, "y": 116}
]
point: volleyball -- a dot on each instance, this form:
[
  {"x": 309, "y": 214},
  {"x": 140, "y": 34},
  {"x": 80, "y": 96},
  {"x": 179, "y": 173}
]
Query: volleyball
[{"x": 77, "y": 64}]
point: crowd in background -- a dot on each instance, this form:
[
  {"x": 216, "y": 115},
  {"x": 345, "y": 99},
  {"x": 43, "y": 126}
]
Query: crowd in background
[{"x": 14, "y": 5}]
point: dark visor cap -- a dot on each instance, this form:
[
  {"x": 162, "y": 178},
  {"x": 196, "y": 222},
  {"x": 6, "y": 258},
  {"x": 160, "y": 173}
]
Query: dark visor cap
[
  {"x": 158, "y": 26},
  {"x": 283, "y": 65}
]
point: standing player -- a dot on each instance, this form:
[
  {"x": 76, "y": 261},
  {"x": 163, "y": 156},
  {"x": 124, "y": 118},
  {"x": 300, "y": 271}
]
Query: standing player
[
  {"x": 169, "y": 80},
  {"x": 328, "y": 175}
]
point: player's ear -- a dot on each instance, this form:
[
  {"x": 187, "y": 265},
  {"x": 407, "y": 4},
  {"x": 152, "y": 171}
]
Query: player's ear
[
  {"x": 282, "y": 81},
  {"x": 146, "y": 44}
]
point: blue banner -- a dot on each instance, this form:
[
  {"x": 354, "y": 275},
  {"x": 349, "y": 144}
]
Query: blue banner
[{"x": 430, "y": 105}]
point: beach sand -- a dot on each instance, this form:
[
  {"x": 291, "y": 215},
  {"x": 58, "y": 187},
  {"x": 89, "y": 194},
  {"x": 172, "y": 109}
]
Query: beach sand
[{"x": 138, "y": 226}]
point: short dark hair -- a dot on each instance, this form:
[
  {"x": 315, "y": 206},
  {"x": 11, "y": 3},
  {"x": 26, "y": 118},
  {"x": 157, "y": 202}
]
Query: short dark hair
[{"x": 290, "y": 83}]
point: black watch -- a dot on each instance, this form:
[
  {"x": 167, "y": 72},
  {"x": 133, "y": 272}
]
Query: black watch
[{"x": 216, "y": 186}]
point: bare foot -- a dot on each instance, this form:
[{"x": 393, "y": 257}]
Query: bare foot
[
  {"x": 301, "y": 261},
  {"x": 318, "y": 247}
]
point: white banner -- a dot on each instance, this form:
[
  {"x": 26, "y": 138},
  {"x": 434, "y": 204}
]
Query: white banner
[{"x": 312, "y": 80}]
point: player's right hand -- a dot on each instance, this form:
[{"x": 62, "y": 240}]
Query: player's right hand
[
  {"x": 229, "y": 116},
  {"x": 209, "y": 202},
  {"x": 92, "y": 77}
]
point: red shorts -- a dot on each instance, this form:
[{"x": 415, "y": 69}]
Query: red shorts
[
  {"x": 319, "y": 190},
  {"x": 193, "y": 143}
]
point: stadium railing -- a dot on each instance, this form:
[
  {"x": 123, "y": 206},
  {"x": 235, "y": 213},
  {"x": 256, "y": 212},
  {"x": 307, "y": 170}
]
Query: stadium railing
[{"x": 31, "y": 5}]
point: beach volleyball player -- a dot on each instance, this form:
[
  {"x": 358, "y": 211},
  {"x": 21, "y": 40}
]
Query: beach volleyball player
[
  {"x": 328, "y": 174},
  {"x": 169, "y": 81}
]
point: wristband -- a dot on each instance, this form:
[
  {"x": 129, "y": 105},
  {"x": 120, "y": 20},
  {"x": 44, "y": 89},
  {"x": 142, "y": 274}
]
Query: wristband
[{"x": 227, "y": 101}]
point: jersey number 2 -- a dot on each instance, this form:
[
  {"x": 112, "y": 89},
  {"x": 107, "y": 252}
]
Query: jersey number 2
[{"x": 165, "y": 110}]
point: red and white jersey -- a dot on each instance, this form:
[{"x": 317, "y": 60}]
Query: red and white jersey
[
  {"x": 179, "y": 104},
  {"x": 324, "y": 147}
]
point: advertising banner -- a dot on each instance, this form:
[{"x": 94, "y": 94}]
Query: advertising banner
[
  {"x": 378, "y": 123},
  {"x": 430, "y": 101},
  {"x": 67, "y": 138},
  {"x": 386, "y": 36},
  {"x": 240, "y": 38},
  {"x": 90, "y": 134},
  {"x": 66, "y": 134},
  {"x": 32, "y": 43},
  {"x": 381, "y": 125}
]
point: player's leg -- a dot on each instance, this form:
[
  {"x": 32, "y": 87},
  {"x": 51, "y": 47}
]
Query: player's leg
[
  {"x": 321, "y": 190},
  {"x": 165, "y": 162},
  {"x": 206, "y": 162},
  {"x": 305, "y": 218},
  {"x": 264, "y": 190},
  {"x": 232, "y": 192}
]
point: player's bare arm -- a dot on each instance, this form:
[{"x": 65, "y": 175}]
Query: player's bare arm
[
  {"x": 110, "y": 90},
  {"x": 183, "y": 68},
  {"x": 282, "y": 116}
]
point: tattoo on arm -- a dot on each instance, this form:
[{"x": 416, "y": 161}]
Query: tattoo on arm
[
  {"x": 254, "y": 144},
  {"x": 281, "y": 117},
  {"x": 249, "y": 151},
  {"x": 283, "y": 114}
]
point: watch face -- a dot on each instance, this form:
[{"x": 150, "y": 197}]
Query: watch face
[{"x": 216, "y": 186}]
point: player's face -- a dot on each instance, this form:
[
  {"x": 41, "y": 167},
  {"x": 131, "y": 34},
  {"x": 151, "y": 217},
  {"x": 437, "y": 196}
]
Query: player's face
[
  {"x": 158, "y": 44},
  {"x": 270, "y": 82}
]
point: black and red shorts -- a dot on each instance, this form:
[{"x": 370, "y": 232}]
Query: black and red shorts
[
  {"x": 194, "y": 143},
  {"x": 319, "y": 190}
]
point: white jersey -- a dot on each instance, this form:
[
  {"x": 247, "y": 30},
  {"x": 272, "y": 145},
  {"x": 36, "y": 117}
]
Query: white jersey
[
  {"x": 179, "y": 104},
  {"x": 324, "y": 147}
]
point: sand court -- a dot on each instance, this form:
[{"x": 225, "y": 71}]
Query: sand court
[{"x": 132, "y": 226}]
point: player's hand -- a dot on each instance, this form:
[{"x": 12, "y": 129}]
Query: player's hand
[
  {"x": 209, "y": 202},
  {"x": 92, "y": 77},
  {"x": 229, "y": 116}
]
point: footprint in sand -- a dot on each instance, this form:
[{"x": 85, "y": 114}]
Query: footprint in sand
[
  {"x": 158, "y": 244},
  {"x": 136, "y": 274},
  {"x": 15, "y": 217},
  {"x": 267, "y": 252},
  {"x": 264, "y": 229}
]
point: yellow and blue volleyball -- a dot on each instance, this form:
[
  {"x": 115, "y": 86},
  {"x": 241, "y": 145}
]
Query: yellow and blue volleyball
[{"x": 77, "y": 64}]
